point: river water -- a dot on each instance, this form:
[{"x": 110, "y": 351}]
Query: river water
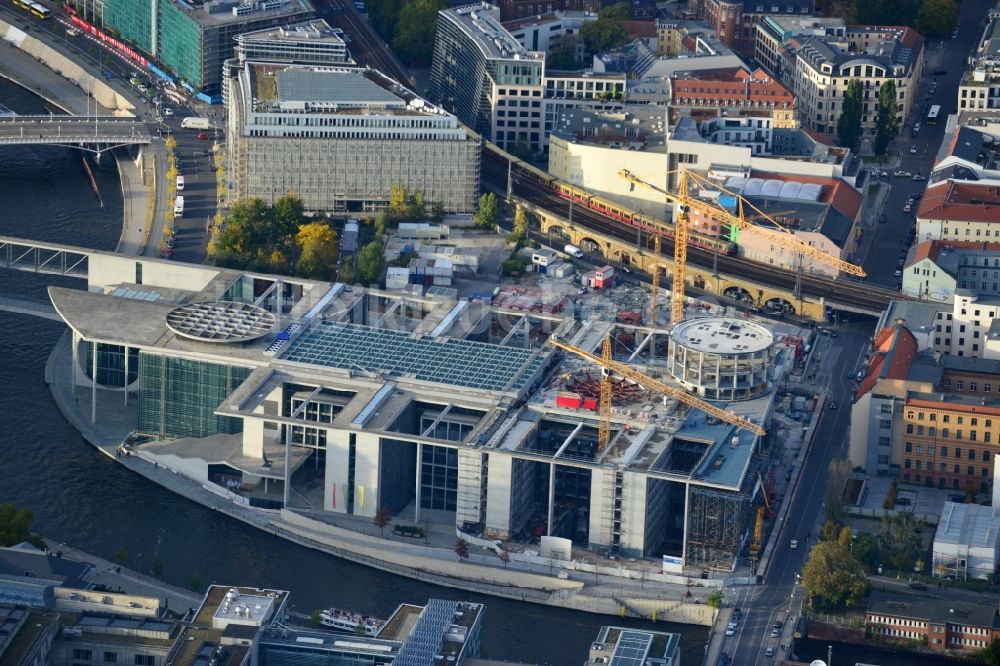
[{"x": 84, "y": 499}]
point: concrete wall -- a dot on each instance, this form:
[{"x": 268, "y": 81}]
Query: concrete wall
[
  {"x": 96, "y": 87},
  {"x": 72, "y": 600},
  {"x": 633, "y": 514},
  {"x": 602, "y": 483},
  {"x": 498, "y": 494},
  {"x": 758, "y": 247},
  {"x": 366, "y": 457},
  {"x": 337, "y": 451},
  {"x": 106, "y": 270},
  {"x": 596, "y": 168}
]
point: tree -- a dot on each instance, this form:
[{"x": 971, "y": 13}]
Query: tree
[
  {"x": 382, "y": 517},
  {"x": 937, "y": 17},
  {"x": 886, "y": 122},
  {"x": 991, "y": 654},
  {"x": 832, "y": 577},
  {"x": 15, "y": 527},
  {"x": 865, "y": 550},
  {"x": 170, "y": 143},
  {"x": 522, "y": 151},
  {"x": 437, "y": 212},
  {"x": 399, "y": 198},
  {"x": 359, "y": 629},
  {"x": 886, "y": 12},
  {"x": 899, "y": 539},
  {"x": 317, "y": 244},
  {"x": 486, "y": 212},
  {"x": 565, "y": 55},
  {"x": 287, "y": 214},
  {"x": 830, "y": 531},
  {"x": 617, "y": 12},
  {"x": 833, "y": 502},
  {"x": 891, "y": 496},
  {"x": 504, "y": 557},
  {"x": 371, "y": 263},
  {"x": 521, "y": 224},
  {"x": 714, "y": 599},
  {"x": 971, "y": 491},
  {"x": 601, "y": 35},
  {"x": 157, "y": 567},
  {"x": 849, "y": 123},
  {"x": 122, "y": 556},
  {"x": 383, "y": 14},
  {"x": 195, "y": 582},
  {"x": 413, "y": 38},
  {"x": 316, "y": 616},
  {"x": 462, "y": 549}
]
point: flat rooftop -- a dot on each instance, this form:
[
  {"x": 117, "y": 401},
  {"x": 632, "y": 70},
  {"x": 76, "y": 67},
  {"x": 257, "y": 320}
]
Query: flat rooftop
[
  {"x": 722, "y": 335},
  {"x": 441, "y": 360},
  {"x": 968, "y": 525},
  {"x": 211, "y": 13},
  {"x": 481, "y": 23},
  {"x": 339, "y": 87},
  {"x": 317, "y": 31}
]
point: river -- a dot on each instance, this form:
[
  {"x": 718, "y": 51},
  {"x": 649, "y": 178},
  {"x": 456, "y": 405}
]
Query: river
[{"x": 84, "y": 499}]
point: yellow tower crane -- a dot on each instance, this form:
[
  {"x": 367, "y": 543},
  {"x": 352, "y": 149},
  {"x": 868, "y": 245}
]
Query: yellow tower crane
[
  {"x": 758, "y": 528},
  {"x": 609, "y": 365},
  {"x": 654, "y": 303},
  {"x": 779, "y": 235}
]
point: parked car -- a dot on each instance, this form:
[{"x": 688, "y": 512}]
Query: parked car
[
  {"x": 832, "y": 404},
  {"x": 919, "y": 178},
  {"x": 918, "y": 586},
  {"x": 913, "y": 149},
  {"x": 769, "y": 652},
  {"x": 794, "y": 544},
  {"x": 882, "y": 219},
  {"x": 902, "y": 174},
  {"x": 204, "y": 136},
  {"x": 940, "y": 72}
]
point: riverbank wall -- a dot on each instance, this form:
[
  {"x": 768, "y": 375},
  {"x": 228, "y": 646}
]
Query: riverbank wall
[{"x": 90, "y": 85}]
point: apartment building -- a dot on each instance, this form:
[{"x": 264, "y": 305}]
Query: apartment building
[
  {"x": 735, "y": 21},
  {"x": 778, "y": 38},
  {"x": 755, "y": 92},
  {"x": 825, "y": 65},
  {"x": 515, "y": 9},
  {"x": 959, "y": 210},
  {"x": 937, "y": 268},
  {"x": 979, "y": 89}
]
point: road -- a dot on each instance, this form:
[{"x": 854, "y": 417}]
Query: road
[
  {"x": 366, "y": 45},
  {"x": 766, "y": 604},
  {"x": 950, "y": 55},
  {"x": 200, "y": 189},
  {"x": 63, "y": 129}
]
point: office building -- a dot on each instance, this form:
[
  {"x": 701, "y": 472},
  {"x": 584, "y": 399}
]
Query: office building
[
  {"x": 966, "y": 542},
  {"x": 192, "y": 39},
  {"x": 940, "y": 624},
  {"x": 307, "y": 43},
  {"x": 341, "y": 138},
  {"x": 825, "y": 65},
  {"x": 618, "y": 646},
  {"x": 307, "y": 394},
  {"x": 515, "y": 9},
  {"x": 735, "y": 21},
  {"x": 492, "y": 83}
]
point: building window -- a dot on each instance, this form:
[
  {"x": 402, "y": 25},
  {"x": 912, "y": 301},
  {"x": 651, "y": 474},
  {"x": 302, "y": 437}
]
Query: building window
[
  {"x": 885, "y": 408},
  {"x": 944, "y": 449},
  {"x": 909, "y": 447},
  {"x": 144, "y": 660},
  {"x": 110, "y": 657},
  {"x": 83, "y": 655}
]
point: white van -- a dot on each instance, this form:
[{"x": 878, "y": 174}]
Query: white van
[
  {"x": 573, "y": 251},
  {"x": 179, "y": 207},
  {"x": 180, "y": 183}
]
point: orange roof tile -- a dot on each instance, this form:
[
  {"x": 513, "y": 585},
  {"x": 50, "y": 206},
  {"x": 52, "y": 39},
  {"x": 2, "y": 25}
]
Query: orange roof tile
[
  {"x": 836, "y": 192},
  {"x": 894, "y": 345},
  {"x": 966, "y": 202}
]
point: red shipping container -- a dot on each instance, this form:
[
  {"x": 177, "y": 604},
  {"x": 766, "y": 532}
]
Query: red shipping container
[
  {"x": 568, "y": 400},
  {"x": 590, "y": 403}
]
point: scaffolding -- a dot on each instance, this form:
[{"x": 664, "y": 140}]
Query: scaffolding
[{"x": 718, "y": 523}]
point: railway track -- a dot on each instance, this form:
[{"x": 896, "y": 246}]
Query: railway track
[{"x": 843, "y": 292}]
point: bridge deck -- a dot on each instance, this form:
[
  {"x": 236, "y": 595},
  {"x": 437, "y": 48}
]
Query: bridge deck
[{"x": 72, "y": 130}]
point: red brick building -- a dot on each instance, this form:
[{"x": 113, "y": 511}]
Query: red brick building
[
  {"x": 735, "y": 21},
  {"x": 942, "y": 624}
]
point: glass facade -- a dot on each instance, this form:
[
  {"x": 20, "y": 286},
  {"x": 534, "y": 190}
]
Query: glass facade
[
  {"x": 179, "y": 41},
  {"x": 132, "y": 19},
  {"x": 284, "y": 654},
  {"x": 439, "y": 478},
  {"x": 177, "y": 397},
  {"x": 110, "y": 364}
]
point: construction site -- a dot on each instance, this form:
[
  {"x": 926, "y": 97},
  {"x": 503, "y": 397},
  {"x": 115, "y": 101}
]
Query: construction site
[{"x": 525, "y": 428}]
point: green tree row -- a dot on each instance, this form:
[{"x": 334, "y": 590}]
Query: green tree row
[
  {"x": 15, "y": 527},
  {"x": 852, "y": 109}
]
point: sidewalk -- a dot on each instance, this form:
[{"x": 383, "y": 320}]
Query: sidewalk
[{"x": 137, "y": 194}]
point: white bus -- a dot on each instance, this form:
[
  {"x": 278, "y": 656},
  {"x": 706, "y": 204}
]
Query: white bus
[
  {"x": 179, "y": 207},
  {"x": 932, "y": 115}
]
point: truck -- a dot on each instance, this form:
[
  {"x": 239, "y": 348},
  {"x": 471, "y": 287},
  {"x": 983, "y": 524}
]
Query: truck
[
  {"x": 179, "y": 207},
  {"x": 196, "y": 122},
  {"x": 180, "y": 183},
  {"x": 573, "y": 251}
]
